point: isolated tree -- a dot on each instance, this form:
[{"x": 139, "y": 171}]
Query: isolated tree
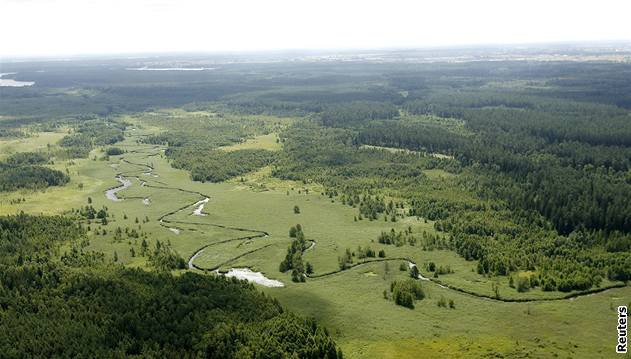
[{"x": 296, "y": 210}]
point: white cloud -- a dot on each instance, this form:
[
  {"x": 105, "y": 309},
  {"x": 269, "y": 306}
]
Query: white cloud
[{"x": 106, "y": 26}]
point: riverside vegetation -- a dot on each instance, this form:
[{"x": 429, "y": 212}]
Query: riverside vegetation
[{"x": 437, "y": 204}]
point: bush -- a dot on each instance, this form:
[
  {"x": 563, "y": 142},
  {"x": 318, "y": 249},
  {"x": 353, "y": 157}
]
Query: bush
[
  {"x": 442, "y": 302},
  {"x": 114, "y": 151},
  {"x": 523, "y": 284},
  {"x": 406, "y": 292}
]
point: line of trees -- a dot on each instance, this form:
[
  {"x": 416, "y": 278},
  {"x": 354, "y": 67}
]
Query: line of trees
[{"x": 293, "y": 259}]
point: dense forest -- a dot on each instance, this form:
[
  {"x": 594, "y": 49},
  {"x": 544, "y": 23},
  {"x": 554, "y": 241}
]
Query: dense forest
[
  {"x": 26, "y": 170},
  {"x": 81, "y": 306},
  {"x": 568, "y": 223},
  {"x": 91, "y": 131},
  {"x": 193, "y": 144},
  {"x": 217, "y": 165}
]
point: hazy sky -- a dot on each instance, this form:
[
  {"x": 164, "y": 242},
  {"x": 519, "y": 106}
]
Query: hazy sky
[{"x": 54, "y": 27}]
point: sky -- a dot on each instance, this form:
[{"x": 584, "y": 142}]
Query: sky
[{"x": 66, "y": 27}]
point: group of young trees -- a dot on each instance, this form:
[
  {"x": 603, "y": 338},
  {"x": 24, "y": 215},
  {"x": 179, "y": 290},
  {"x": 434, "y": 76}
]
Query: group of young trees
[
  {"x": 293, "y": 259},
  {"x": 397, "y": 238},
  {"x": 89, "y": 213},
  {"x": 367, "y": 252},
  {"x": 438, "y": 269},
  {"x": 405, "y": 292}
]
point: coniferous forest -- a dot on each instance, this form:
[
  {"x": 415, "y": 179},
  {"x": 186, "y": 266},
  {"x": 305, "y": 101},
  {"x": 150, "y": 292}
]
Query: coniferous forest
[{"x": 80, "y": 306}]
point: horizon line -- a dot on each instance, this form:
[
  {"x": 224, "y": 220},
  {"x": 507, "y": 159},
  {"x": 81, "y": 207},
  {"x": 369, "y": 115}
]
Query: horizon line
[{"x": 321, "y": 50}]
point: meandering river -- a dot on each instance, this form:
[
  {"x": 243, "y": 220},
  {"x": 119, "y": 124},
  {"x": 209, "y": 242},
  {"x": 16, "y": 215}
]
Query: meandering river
[{"x": 111, "y": 193}]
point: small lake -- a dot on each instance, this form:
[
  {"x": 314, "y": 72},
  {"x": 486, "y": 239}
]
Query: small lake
[
  {"x": 254, "y": 277},
  {"x": 13, "y": 83},
  {"x": 145, "y": 68}
]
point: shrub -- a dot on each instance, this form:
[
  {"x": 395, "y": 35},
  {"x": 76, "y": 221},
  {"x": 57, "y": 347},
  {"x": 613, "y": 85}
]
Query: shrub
[
  {"x": 114, "y": 151},
  {"x": 523, "y": 284},
  {"x": 406, "y": 292}
]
